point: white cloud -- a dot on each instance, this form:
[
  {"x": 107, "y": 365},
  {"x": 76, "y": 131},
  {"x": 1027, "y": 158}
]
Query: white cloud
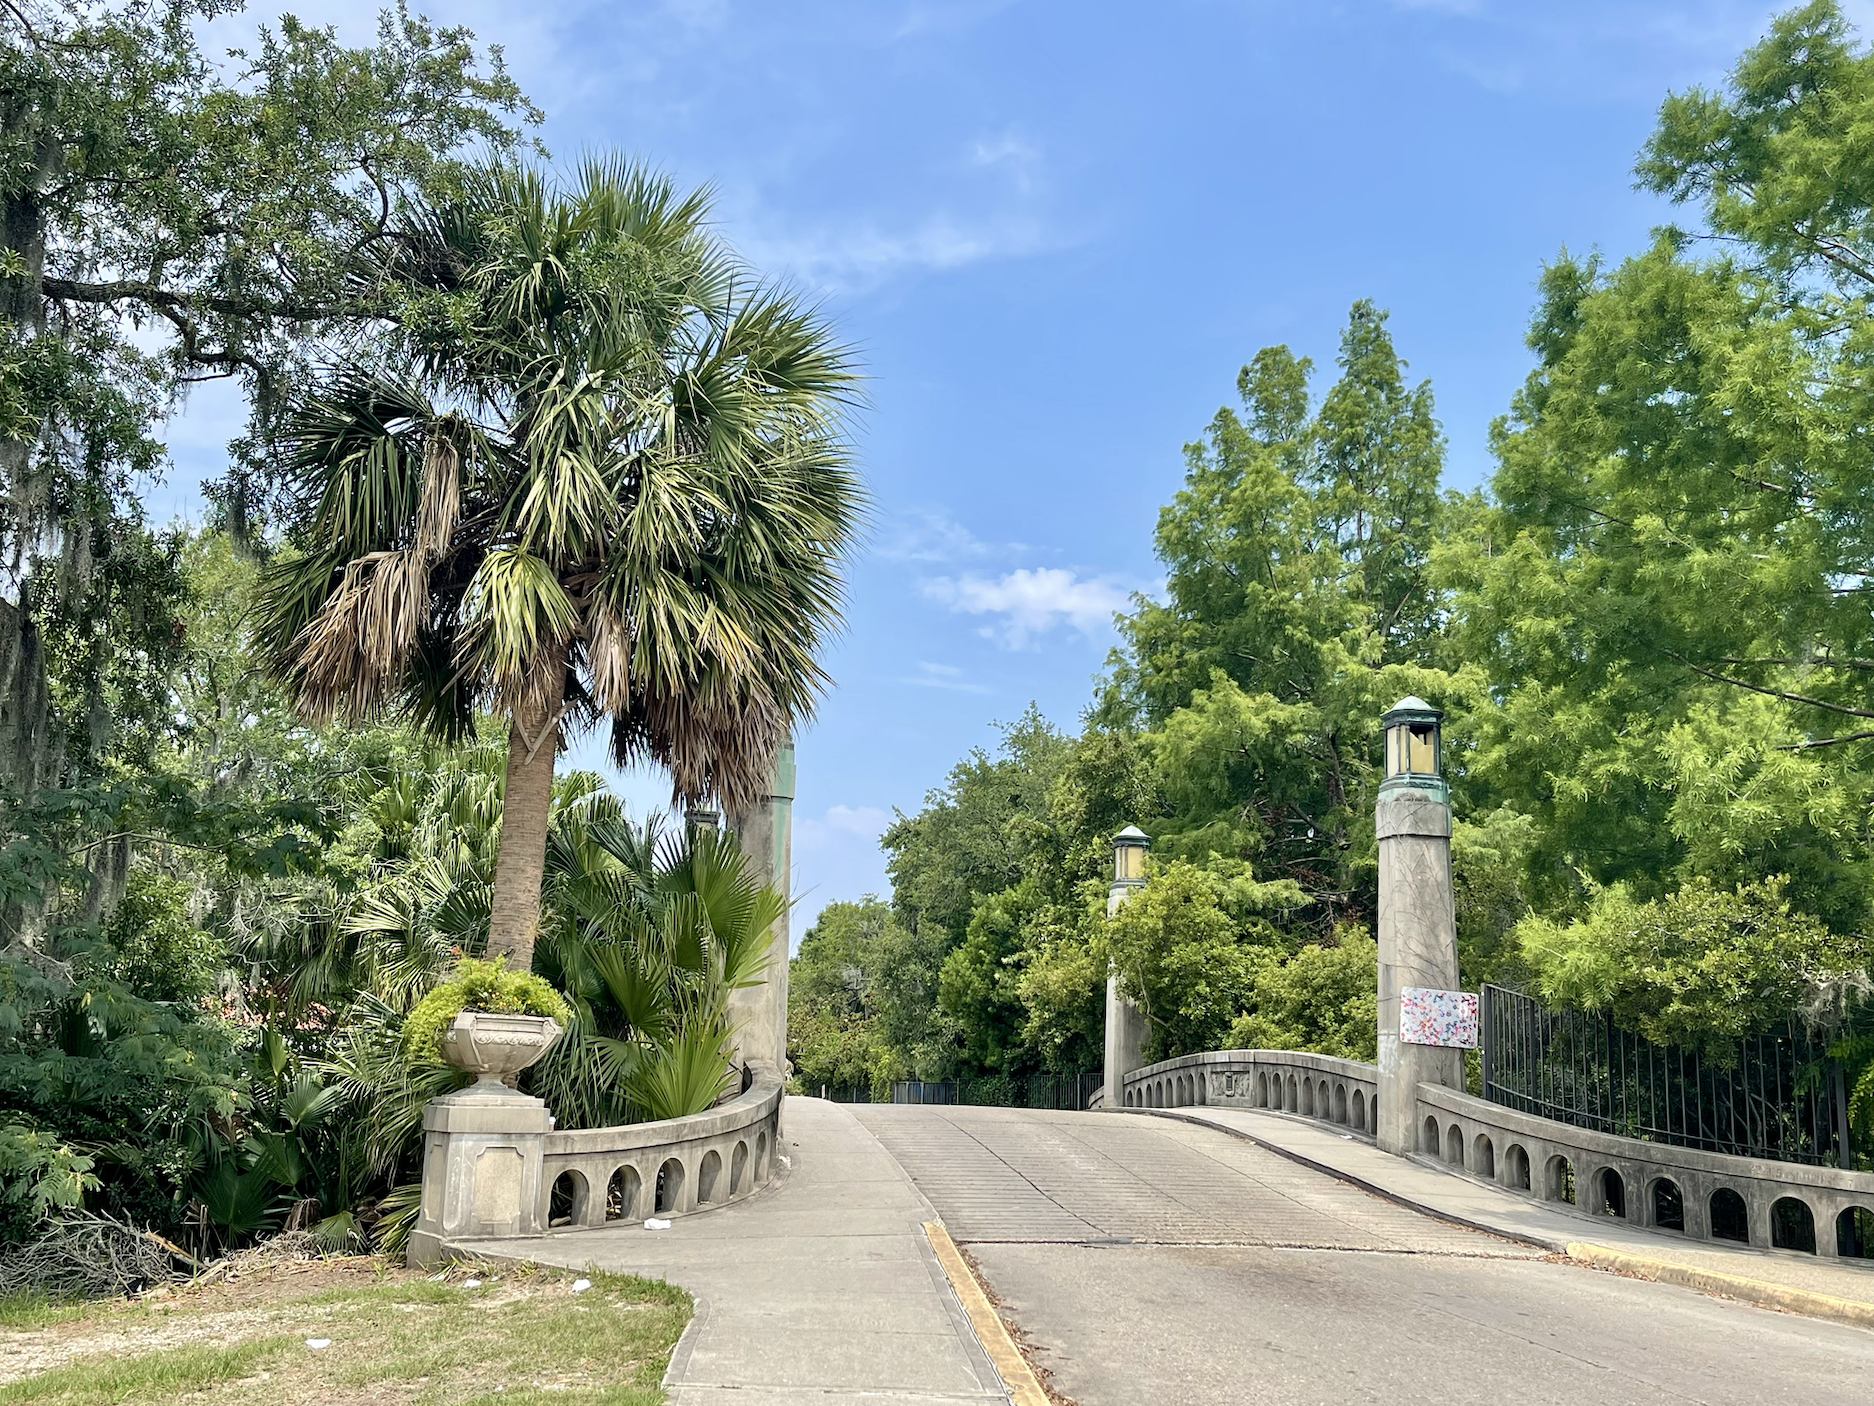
[
  {"x": 1007, "y": 149},
  {"x": 1017, "y": 160},
  {"x": 944, "y": 676},
  {"x": 921, "y": 20},
  {"x": 927, "y": 534},
  {"x": 1031, "y": 602},
  {"x": 853, "y": 257},
  {"x": 869, "y": 821},
  {"x": 839, "y": 827}
]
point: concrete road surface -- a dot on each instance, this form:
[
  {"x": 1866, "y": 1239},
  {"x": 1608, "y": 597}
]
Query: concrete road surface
[{"x": 1157, "y": 1262}]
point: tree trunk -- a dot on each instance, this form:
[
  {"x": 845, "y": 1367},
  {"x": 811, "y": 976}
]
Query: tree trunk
[{"x": 533, "y": 736}]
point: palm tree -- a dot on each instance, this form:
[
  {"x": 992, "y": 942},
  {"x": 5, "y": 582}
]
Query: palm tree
[{"x": 594, "y": 471}]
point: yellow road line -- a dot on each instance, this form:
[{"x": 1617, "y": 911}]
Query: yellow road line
[{"x": 1017, "y": 1376}]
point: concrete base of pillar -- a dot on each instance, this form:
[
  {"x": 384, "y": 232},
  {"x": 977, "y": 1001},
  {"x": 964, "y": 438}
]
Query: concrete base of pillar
[
  {"x": 1125, "y": 1042},
  {"x": 482, "y": 1155},
  {"x": 1402, "y": 1068}
]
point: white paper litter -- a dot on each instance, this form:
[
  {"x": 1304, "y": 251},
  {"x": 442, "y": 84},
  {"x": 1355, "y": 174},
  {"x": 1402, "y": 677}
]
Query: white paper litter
[
  {"x": 581, "y": 1285},
  {"x": 655, "y": 1224},
  {"x": 471, "y": 1283},
  {"x": 316, "y": 1343}
]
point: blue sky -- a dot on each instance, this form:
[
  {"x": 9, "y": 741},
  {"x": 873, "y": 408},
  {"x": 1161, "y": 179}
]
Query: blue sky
[{"x": 1054, "y": 231}]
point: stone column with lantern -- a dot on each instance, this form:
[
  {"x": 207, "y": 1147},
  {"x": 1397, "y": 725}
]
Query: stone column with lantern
[
  {"x": 1418, "y": 940},
  {"x": 1125, "y": 1022}
]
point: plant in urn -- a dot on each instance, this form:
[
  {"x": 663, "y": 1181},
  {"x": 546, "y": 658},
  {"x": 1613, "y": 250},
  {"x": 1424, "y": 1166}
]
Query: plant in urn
[{"x": 488, "y": 1021}]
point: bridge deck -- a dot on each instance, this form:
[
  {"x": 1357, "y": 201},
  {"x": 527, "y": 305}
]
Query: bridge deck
[
  {"x": 1153, "y": 1261},
  {"x": 1019, "y": 1175}
]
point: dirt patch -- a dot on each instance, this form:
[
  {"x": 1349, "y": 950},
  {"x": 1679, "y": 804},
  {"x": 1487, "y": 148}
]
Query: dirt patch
[{"x": 247, "y": 1299}]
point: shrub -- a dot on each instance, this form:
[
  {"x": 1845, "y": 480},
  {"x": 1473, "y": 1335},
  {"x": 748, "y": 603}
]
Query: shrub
[
  {"x": 1702, "y": 967},
  {"x": 39, "y": 1175},
  {"x": 1322, "y": 998},
  {"x": 477, "y": 986}
]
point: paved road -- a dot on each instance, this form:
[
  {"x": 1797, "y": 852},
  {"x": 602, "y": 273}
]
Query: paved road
[{"x": 1157, "y": 1262}]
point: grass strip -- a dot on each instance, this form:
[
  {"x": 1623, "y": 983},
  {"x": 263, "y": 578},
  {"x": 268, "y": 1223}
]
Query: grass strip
[
  {"x": 152, "y": 1376},
  {"x": 521, "y": 1334}
]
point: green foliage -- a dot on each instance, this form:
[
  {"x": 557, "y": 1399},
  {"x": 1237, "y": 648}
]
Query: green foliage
[
  {"x": 840, "y": 998},
  {"x": 683, "y": 1074},
  {"x": 477, "y": 986},
  {"x": 151, "y": 946},
  {"x": 38, "y": 1176},
  {"x": 1190, "y": 947},
  {"x": 1489, "y": 865},
  {"x": 652, "y": 938},
  {"x": 1323, "y": 997},
  {"x": 1700, "y": 967},
  {"x": 996, "y": 886}
]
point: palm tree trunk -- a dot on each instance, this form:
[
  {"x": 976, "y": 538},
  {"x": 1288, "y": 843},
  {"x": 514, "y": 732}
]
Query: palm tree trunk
[{"x": 533, "y": 737}]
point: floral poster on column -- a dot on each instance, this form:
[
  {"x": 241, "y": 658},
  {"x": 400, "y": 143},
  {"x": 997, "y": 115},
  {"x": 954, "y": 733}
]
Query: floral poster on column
[{"x": 1428, "y": 1017}]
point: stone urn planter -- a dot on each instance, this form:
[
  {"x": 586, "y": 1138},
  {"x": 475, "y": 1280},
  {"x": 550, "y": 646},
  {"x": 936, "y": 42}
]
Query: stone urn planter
[{"x": 495, "y": 1048}]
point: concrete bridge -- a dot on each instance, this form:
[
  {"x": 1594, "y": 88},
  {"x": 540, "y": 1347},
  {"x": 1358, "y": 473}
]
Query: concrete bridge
[
  {"x": 1145, "y": 1259},
  {"x": 1228, "y": 1227}
]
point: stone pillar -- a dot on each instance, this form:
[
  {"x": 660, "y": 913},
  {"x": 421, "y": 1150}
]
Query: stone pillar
[
  {"x": 1125, "y": 1042},
  {"x": 1125, "y": 1022},
  {"x": 1757, "y": 1216},
  {"x": 1418, "y": 936},
  {"x": 765, "y": 833},
  {"x": 482, "y": 1158}
]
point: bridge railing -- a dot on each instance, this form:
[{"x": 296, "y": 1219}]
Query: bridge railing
[
  {"x": 1703, "y": 1195},
  {"x": 670, "y": 1167},
  {"x": 1339, "y": 1091},
  {"x": 1700, "y": 1194},
  {"x": 1777, "y": 1096}
]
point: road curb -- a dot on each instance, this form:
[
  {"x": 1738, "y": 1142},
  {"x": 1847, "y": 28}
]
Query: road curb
[
  {"x": 1017, "y": 1376},
  {"x": 1372, "y": 1188},
  {"x": 1764, "y": 1294}
]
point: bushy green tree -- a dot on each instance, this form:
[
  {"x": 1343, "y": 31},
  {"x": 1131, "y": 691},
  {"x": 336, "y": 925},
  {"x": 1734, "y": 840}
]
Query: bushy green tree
[
  {"x": 1190, "y": 946},
  {"x": 1700, "y": 967},
  {"x": 1299, "y": 603},
  {"x": 1322, "y": 997},
  {"x": 997, "y": 883},
  {"x": 845, "y": 1027},
  {"x": 1671, "y": 597},
  {"x": 164, "y": 219}
]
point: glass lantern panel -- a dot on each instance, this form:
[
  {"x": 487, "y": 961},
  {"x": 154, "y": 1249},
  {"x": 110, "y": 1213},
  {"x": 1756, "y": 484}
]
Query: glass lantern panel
[
  {"x": 1129, "y": 862},
  {"x": 1395, "y": 751},
  {"x": 1424, "y": 754}
]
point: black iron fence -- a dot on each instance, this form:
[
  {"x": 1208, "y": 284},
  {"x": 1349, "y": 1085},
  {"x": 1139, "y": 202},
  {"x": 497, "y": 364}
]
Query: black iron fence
[
  {"x": 1064, "y": 1091},
  {"x": 1780, "y": 1098}
]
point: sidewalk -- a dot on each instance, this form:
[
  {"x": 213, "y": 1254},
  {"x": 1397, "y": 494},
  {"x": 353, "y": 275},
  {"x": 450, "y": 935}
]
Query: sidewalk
[
  {"x": 1482, "y": 1206},
  {"x": 820, "y": 1288}
]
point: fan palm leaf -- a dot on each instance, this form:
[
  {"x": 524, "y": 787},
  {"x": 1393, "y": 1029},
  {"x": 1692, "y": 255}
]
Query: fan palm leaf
[{"x": 597, "y": 471}]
